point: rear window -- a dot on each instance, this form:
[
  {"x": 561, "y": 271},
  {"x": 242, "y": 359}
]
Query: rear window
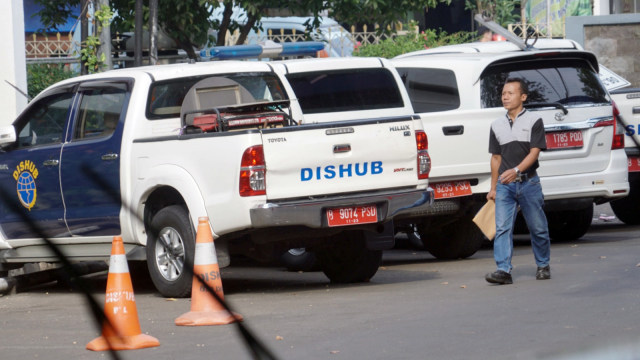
[
  {"x": 166, "y": 97},
  {"x": 346, "y": 90},
  {"x": 568, "y": 82},
  {"x": 431, "y": 90}
]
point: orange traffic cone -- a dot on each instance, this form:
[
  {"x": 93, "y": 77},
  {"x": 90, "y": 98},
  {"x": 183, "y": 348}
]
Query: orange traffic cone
[
  {"x": 123, "y": 330},
  {"x": 205, "y": 309}
]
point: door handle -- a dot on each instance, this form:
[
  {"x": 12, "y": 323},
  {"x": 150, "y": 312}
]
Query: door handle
[
  {"x": 635, "y": 110},
  {"x": 109, "y": 157},
  {"x": 51, "y": 162},
  {"x": 453, "y": 130}
]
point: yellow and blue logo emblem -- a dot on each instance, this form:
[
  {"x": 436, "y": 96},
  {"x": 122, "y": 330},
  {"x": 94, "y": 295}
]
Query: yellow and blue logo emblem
[{"x": 26, "y": 174}]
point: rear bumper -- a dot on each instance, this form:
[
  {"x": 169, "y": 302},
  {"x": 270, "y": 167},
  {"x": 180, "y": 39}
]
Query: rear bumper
[
  {"x": 609, "y": 184},
  {"x": 312, "y": 213}
]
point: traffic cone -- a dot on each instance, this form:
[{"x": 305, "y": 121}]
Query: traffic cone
[
  {"x": 205, "y": 309},
  {"x": 122, "y": 332}
]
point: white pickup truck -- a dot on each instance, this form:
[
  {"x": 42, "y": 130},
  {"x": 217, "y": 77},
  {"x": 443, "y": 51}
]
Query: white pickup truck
[
  {"x": 627, "y": 101},
  {"x": 144, "y": 152}
]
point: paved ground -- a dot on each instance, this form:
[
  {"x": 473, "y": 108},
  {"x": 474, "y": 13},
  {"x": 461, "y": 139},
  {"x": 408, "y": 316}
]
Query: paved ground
[{"x": 415, "y": 308}]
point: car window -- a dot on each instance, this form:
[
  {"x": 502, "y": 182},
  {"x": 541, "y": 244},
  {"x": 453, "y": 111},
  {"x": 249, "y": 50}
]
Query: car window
[
  {"x": 99, "y": 112},
  {"x": 45, "y": 121},
  {"x": 345, "y": 90},
  {"x": 431, "y": 90},
  {"x": 166, "y": 97},
  {"x": 568, "y": 82}
]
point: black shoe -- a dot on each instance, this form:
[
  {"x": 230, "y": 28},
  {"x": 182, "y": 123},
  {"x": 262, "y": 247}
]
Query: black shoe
[
  {"x": 543, "y": 273},
  {"x": 499, "y": 277}
]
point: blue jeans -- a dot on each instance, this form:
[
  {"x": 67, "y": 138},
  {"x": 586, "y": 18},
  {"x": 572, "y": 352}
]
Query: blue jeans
[{"x": 527, "y": 194}]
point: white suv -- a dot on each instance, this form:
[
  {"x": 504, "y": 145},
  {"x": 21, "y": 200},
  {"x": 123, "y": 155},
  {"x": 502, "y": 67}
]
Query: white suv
[{"x": 457, "y": 92}]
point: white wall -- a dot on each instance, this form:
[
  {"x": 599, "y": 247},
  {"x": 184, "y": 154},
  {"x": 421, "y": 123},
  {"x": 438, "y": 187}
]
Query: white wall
[{"x": 12, "y": 60}]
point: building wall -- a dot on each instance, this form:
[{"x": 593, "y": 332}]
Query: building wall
[
  {"x": 12, "y": 61},
  {"x": 615, "y": 39}
]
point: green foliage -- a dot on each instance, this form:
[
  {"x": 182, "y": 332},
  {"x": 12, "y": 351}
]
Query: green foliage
[
  {"x": 403, "y": 44},
  {"x": 501, "y": 11},
  {"x": 89, "y": 51},
  {"x": 382, "y": 12},
  {"x": 41, "y": 76},
  {"x": 188, "y": 22}
]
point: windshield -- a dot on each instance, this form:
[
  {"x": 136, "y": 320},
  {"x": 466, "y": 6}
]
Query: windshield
[{"x": 568, "y": 82}]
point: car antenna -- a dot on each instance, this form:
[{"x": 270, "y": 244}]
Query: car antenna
[
  {"x": 496, "y": 28},
  {"x": 18, "y": 90}
]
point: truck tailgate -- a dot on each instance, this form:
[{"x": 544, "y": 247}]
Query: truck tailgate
[{"x": 340, "y": 157}]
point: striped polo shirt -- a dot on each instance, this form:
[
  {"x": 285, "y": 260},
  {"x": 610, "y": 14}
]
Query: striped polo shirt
[{"x": 514, "y": 140}]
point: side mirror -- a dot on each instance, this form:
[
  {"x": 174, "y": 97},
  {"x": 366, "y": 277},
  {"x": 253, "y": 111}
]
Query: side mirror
[{"x": 7, "y": 135}]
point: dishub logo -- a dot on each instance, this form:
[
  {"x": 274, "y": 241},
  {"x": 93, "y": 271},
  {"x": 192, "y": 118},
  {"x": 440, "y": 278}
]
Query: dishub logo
[{"x": 26, "y": 174}]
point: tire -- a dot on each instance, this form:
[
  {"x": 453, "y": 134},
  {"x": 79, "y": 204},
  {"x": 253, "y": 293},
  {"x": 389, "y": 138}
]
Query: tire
[
  {"x": 569, "y": 225},
  {"x": 347, "y": 259},
  {"x": 627, "y": 209},
  {"x": 458, "y": 240},
  {"x": 299, "y": 259},
  {"x": 171, "y": 247}
]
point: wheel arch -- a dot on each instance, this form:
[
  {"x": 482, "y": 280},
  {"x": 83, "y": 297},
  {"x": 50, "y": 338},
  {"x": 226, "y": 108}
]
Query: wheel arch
[{"x": 167, "y": 185}]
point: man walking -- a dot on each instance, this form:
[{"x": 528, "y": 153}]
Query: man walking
[{"x": 515, "y": 142}]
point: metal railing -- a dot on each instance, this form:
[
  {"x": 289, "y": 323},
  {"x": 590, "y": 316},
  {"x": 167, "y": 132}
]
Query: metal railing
[
  {"x": 45, "y": 48},
  {"x": 542, "y": 30},
  {"x": 62, "y": 47}
]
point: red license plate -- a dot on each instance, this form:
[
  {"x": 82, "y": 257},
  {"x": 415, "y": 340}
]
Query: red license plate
[
  {"x": 564, "y": 140},
  {"x": 352, "y": 215},
  {"x": 634, "y": 163},
  {"x": 451, "y": 189}
]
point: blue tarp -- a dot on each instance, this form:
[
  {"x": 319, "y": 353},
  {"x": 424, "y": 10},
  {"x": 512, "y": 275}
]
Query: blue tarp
[{"x": 32, "y": 21}]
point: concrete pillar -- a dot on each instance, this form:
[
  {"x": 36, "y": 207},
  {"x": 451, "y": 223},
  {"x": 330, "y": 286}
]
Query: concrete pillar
[
  {"x": 12, "y": 61},
  {"x": 601, "y": 7}
]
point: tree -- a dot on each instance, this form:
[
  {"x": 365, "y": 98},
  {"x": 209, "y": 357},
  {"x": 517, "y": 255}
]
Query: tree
[
  {"x": 188, "y": 22},
  {"x": 501, "y": 11}
]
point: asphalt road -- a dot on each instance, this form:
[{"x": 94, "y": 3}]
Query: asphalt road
[{"x": 414, "y": 308}]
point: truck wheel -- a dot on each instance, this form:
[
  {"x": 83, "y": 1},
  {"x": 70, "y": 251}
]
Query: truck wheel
[
  {"x": 171, "y": 247},
  {"x": 347, "y": 259},
  {"x": 457, "y": 240},
  {"x": 569, "y": 225},
  {"x": 628, "y": 208},
  {"x": 299, "y": 259}
]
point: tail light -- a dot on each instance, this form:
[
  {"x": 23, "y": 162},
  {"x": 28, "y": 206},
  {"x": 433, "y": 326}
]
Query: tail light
[
  {"x": 618, "y": 130},
  {"x": 424, "y": 161},
  {"x": 253, "y": 172}
]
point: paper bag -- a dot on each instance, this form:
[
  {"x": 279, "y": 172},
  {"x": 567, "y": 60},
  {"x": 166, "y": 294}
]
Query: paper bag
[{"x": 486, "y": 219}]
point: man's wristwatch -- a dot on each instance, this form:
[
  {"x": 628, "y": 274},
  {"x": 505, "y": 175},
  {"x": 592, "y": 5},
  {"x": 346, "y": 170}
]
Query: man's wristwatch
[{"x": 517, "y": 171}]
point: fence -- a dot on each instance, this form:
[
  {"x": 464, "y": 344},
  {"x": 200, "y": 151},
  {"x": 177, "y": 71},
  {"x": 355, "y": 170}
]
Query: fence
[
  {"x": 42, "y": 48},
  {"x": 62, "y": 48},
  {"x": 541, "y": 30}
]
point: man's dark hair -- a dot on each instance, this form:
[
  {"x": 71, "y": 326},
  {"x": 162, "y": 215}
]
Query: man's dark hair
[
  {"x": 483, "y": 29},
  {"x": 523, "y": 85}
]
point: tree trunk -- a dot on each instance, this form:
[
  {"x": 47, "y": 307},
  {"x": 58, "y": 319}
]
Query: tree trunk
[
  {"x": 137, "y": 35},
  {"x": 153, "y": 32},
  {"x": 105, "y": 38},
  {"x": 224, "y": 24},
  {"x": 244, "y": 31},
  {"x": 84, "y": 32}
]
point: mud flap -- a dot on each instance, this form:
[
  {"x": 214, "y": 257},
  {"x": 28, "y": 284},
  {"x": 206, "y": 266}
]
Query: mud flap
[{"x": 383, "y": 239}]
